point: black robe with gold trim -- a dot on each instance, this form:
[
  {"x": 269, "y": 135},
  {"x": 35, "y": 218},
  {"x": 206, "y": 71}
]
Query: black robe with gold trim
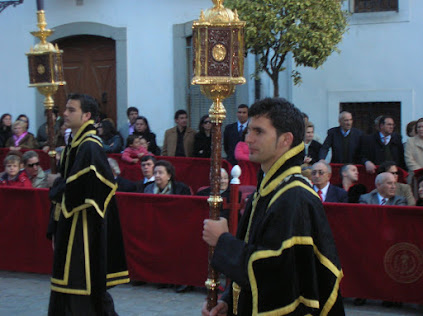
[
  {"x": 284, "y": 258},
  {"x": 89, "y": 254}
]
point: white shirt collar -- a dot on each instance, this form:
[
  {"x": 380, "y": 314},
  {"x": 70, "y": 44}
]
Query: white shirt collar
[
  {"x": 324, "y": 191},
  {"x": 149, "y": 180}
]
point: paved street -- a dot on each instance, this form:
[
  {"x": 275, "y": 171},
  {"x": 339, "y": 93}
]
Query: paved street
[{"x": 26, "y": 294}]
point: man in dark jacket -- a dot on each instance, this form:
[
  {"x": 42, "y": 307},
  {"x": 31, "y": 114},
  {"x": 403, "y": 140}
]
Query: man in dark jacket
[
  {"x": 344, "y": 140},
  {"x": 320, "y": 176},
  {"x": 233, "y": 133}
]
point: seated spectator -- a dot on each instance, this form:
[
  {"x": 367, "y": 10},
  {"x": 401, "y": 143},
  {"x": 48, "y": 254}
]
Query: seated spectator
[
  {"x": 147, "y": 168},
  {"x": 202, "y": 140},
  {"x": 60, "y": 137},
  {"x": 414, "y": 149},
  {"x": 225, "y": 192},
  {"x": 320, "y": 176},
  {"x": 23, "y": 118},
  {"x": 164, "y": 183},
  {"x": 241, "y": 151},
  {"x": 384, "y": 193},
  {"x": 349, "y": 178},
  {"x": 402, "y": 189},
  {"x": 5, "y": 128},
  {"x": 124, "y": 185},
  {"x": 311, "y": 147},
  {"x": 142, "y": 129},
  {"x": 33, "y": 170},
  {"x": 110, "y": 137},
  {"x": 12, "y": 177},
  {"x": 420, "y": 192},
  {"x": 42, "y": 132},
  {"x": 132, "y": 113},
  {"x": 306, "y": 171},
  {"x": 134, "y": 151},
  {"x": 21, "y": 139}
]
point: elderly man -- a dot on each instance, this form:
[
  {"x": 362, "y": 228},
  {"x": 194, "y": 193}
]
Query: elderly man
[
  {"x": 33, "y": 169},
  {"x": 344, "y": 141},
  {"x": 320, "y": 176},
  {"x": 385, "y": 192},
  {"x": 278, "y": 262},
  {"x": 147, "y": 168}
]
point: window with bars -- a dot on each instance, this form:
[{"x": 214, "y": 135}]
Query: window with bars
[
  {"x": 365, "y": 113},
  {"x": 363, "y": 6}
]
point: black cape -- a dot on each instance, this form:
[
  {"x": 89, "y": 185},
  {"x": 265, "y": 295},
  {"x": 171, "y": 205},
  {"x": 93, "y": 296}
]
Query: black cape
[
  {"x": 283, "y": 257},
  {"x": 89, "y": 255}
]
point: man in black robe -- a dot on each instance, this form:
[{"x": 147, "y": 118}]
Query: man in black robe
[
  {"x": 283, "y": 260},
  {"x": 88, "y": 247}
]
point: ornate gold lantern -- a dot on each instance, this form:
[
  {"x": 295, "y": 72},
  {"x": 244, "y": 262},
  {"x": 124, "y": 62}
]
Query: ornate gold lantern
[
  {"x": 46, "y": 74},
  {"x": 218, "y": 38}
]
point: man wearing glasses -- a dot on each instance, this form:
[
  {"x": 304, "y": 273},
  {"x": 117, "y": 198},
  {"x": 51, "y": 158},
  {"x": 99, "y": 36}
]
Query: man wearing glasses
[
  {"x": 382, "y": 146},
  {"x": 320, "y": 176},
  {"x": 33, "y": 169}
]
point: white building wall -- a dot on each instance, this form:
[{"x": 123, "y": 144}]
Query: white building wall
[{"x": 380, "y": 60}]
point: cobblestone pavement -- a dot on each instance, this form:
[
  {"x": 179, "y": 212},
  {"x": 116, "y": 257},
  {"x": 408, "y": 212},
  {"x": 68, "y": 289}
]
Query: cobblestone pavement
[{"x": 26, "y": 294}]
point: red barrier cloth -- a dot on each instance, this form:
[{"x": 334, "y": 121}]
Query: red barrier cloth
[
  {"x": 249, "y": 171},
  {"x": 380, "y": 249},
  {"x": 163, "y": 237},
  {"x": 24, "y": 217},
  {"x": 194, "y": 172}
]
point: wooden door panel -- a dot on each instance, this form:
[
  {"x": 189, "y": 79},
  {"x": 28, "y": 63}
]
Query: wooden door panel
[{"x": 89, "y": 64}]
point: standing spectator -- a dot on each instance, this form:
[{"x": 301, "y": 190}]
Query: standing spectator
[
  {"x": 414, "y": 149},
  {"x": 142, "y": 129},
  {"x": 5, "y": 128},
  {"x": 12, "y": 177},
  {"x": 21, "y": 139},
  {"x": 202, "y": 140},
  {"x": 164, "y": 181},
  {"x": 344, "y": 140},
  {"x": 33, "y": 170},
  {"x": 320, "y": 176},
  {"x": 134, "y": 151},
  {"x": 384, "y": 145},
  {"x": 132, "y": 113},
  {"x": 384, "y": 193},
  {"x": 411, "y": 129},
  {"x": 233, "y": 133},
  {"x": 402, "y": 189},
  {"x": 85, "y": 217},
  {"x": 124, "y": 185},
  {"x": 179, "y": 140},
  {"x": 147, "y": 168},
  {"x": 349, "y": 182},
  {"x": 25, "y": 119},
  {"x": 110, "y": 137},
  {"x": 311, "y": 147}
]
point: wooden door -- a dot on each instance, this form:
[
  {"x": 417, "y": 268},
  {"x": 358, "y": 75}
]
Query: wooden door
[{"x": 89, "y": 64}]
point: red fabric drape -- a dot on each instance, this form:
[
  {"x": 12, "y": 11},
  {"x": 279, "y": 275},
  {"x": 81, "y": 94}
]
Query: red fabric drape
[{"x": 380, "y": 249}]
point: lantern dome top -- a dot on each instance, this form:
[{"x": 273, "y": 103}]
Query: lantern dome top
[{"x": 219, "y": 14}]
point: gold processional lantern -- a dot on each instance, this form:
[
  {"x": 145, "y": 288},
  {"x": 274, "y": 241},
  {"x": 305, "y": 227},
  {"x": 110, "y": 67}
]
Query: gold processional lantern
[
  {"x": 218, "y": 38},
  {"x": 46, "y": 74}
]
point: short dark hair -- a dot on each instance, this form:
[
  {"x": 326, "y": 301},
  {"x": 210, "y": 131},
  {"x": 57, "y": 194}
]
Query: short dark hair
[
  {"x": 284, "y": 116},
  {"x": 28, "y": 155},
  {"x": 383, "y": 119},
  {"x": 130, "y": 139},
  {"x": 180, "y": 112},
  {"x": 88, "y": 104},
  {"x": 344, "y": 168},
  {"x": 411, "y": 126},
  {"x": 385, "y": 166},
  {"x": 131, "y": 109},
  {"x": 243, "y": 106},
  {"x": 147, "y": 158},
  {"x": 168, "y": 166}
]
